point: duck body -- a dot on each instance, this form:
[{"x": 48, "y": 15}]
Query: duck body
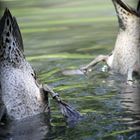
[
  {"x": 20, "y": 93},
  {"x": 126, "y": 55}
]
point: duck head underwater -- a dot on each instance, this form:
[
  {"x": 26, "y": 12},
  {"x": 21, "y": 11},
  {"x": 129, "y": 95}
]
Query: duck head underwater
[{"x": 21, "y": 95}]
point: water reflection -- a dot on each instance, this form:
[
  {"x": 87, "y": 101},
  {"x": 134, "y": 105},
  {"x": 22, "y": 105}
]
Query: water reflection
[
  {"x": 34, "y": 128},
  {"x": 130, "y": 101}
]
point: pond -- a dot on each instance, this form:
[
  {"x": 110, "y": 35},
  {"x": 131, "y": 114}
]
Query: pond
[{"x": 63, "y": 34}]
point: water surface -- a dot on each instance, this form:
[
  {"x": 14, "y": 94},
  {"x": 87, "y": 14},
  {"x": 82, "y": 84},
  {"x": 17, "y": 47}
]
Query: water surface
[{"x": 64, "y": 34}]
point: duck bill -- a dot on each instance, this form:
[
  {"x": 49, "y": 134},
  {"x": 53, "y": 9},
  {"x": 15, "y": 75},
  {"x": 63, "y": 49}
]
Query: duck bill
[{"x": 121, "y": 5}]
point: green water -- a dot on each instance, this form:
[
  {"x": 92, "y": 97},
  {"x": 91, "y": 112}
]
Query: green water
[{"x": 64, "y": 34}]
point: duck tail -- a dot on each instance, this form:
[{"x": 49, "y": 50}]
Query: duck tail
[
  {"x": 138, "y": 7},
  {"x": 10, "y": 29}
]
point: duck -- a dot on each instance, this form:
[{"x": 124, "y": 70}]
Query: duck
[
  {"x": 125, "y": 57},
  {"x": 21, "y": 95}
]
